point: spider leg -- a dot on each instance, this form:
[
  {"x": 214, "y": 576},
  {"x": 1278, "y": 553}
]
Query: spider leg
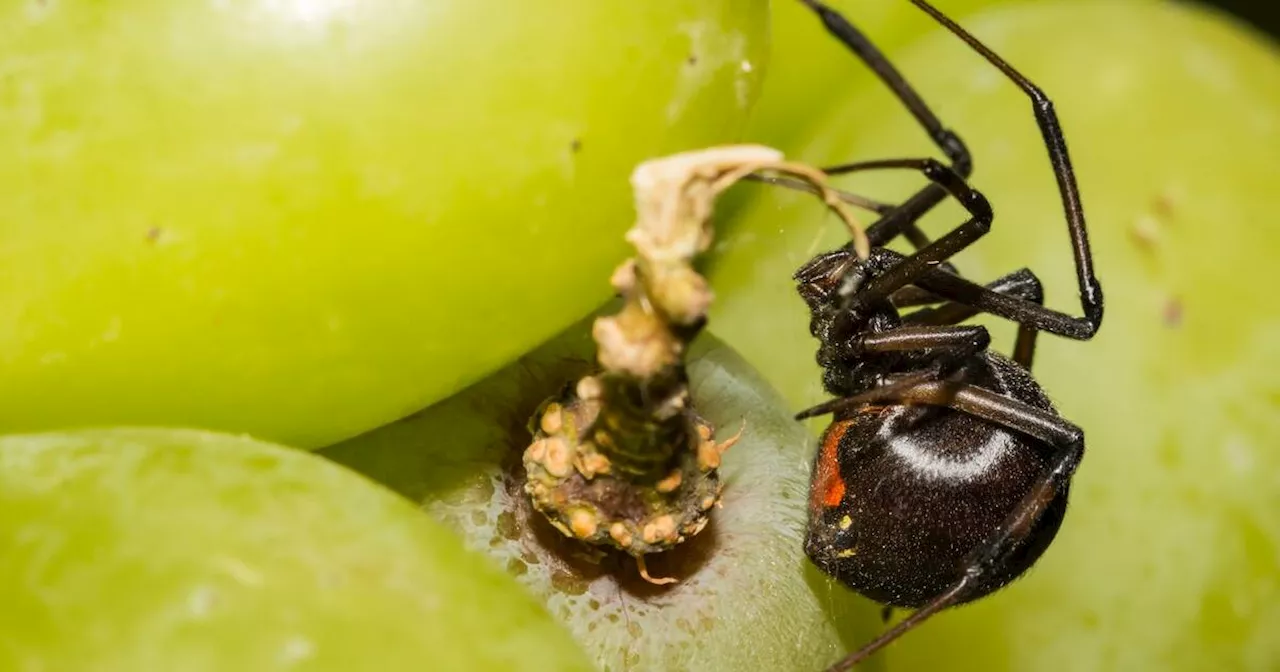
[
  {"x": 926, "y": 260},
  {"x": 945, "y": 347},
  {"x": 941, "y": 176},
  {"x": 933, "y": 256},
  {"x": 895, "y": 220},
  {"x": 853, "y": 199},
  {"x": 964, "y": 340},
  {"x": 1022, "y": 284},
  {"x": 902, "y": 220},
  {"x": 1024, "y": 306},
  {"x": 912, "y": 296},
  {"x": 1067, "y": 441},
  {"x": 1042, "y": 318},
  {"x": 1091, "y": 301}
]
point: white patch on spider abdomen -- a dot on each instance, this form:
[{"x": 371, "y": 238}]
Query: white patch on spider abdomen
[{"x": 924, "y": 458}]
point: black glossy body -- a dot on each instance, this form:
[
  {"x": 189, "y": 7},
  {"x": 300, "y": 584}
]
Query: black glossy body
[{"x": 923, "y": 486}]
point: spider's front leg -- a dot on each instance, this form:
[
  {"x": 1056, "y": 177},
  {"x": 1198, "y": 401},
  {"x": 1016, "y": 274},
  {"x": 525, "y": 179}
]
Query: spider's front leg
[
  {"x": 903, "y": 219},
  {"x": 940, "y": 176},
  {"x": 1025, "y": 312}
]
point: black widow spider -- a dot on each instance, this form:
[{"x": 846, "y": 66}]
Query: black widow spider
[{"x": 945, "y": 471}]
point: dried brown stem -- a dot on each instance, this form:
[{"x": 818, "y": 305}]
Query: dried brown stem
[{"x": 623, "y": 460}]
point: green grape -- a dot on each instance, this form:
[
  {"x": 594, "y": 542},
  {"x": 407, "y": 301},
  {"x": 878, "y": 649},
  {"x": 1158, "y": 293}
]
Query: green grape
[
  {"x": 1169, "y": 554},
  {"x": 302, "y": 220},
  {"x": 182, "y": 550},
  {"x": 745, "y": 598}
]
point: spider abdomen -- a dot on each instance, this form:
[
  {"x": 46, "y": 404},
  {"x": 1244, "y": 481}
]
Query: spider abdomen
[{"x": 903, "y": 495}]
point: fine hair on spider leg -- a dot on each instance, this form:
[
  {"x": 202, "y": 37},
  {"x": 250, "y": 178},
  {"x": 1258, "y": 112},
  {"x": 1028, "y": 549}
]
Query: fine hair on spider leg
[{"x": 936, "y": 442}]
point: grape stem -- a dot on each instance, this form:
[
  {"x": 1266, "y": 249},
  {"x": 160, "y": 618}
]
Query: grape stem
[{"x": 623, "y": 459}]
